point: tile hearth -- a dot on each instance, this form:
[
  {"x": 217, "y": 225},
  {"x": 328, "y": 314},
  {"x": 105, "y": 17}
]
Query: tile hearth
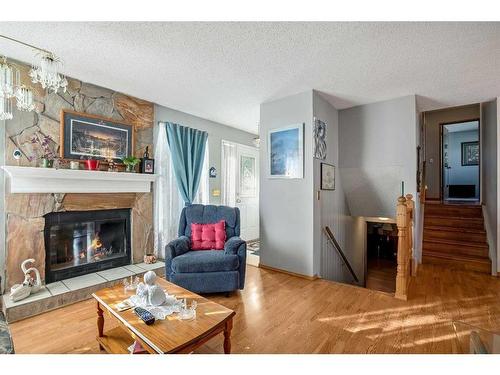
[{"x": 72, "y": 290}]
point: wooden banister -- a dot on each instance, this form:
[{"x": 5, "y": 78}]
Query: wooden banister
[
  {"x": 404, "y": 220},
  {"x": 336, "y": 245}
]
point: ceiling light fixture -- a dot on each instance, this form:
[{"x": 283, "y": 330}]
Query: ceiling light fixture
[
  {"x": 5, "y": 109},
  {"x": 24, "y": 96},
  {"x": 9, "y": 78},
  {"x": 46, "y": 72}
]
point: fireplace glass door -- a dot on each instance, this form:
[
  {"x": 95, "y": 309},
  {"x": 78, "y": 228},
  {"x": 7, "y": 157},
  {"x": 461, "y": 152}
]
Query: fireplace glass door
[{"x": 81, "y": 242}]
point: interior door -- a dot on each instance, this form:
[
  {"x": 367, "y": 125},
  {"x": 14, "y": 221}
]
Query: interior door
[{"x": 247, "y": 190}]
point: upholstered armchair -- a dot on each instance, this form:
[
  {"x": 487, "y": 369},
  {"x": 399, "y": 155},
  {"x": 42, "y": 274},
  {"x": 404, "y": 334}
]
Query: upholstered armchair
[{"x": 207, "y": 271}]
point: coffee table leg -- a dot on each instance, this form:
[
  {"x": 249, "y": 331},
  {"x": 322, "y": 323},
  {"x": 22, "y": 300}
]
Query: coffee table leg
[
  {"x": 100, "y": 323},
  {"x": 227, "y": 336}
]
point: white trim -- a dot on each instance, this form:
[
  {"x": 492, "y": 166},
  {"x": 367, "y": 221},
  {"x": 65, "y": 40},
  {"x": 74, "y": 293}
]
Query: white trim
[{"x": 50, "y": 180}]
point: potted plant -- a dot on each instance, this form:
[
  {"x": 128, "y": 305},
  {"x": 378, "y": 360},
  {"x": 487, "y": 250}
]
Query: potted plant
[
  {"x": 92, "y": 164},
  {"x": 130, "y": 162},
  {"x": 47, "y": 156}
]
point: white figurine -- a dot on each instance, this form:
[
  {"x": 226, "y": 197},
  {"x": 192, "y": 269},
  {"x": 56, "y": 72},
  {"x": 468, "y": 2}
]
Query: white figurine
[
  {"x": 153, "y": 293},
  {"x": 29, "y": 285}
]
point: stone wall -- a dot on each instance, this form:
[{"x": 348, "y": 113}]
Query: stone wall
[{"x": 25, "y": 221}]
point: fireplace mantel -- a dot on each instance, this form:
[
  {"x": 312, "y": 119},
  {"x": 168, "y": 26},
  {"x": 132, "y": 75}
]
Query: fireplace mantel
[{"x": 50, "y": 180}]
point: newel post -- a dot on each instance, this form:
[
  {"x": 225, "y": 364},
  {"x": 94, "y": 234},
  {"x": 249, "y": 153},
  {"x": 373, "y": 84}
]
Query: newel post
[
  {"x": 402, "y": 271},
  {"x": 410, "y": 204}
]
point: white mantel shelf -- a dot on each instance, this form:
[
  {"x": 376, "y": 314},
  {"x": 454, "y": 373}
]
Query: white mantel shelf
[{"x": 50, "y": 180}]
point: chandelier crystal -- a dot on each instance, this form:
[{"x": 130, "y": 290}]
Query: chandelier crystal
[
  {"x": 46, "y": 72},
  {"x": 5, "y": 108},
  {"x": 24, "y": 96},
  {"x": 9, "y": 79}
]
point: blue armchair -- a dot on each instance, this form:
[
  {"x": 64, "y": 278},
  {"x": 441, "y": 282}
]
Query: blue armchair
[{"x": 207, "y": 271}]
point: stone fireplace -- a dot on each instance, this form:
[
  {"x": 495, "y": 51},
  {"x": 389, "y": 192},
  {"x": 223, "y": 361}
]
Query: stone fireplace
[
  {"x": 81, "y": 242},
  {"x": 31, "y": 215},
  {"x": 27, "y": 212}
]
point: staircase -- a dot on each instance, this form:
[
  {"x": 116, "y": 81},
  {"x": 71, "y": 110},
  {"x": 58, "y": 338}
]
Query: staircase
[{"x": 454, "y": 236}]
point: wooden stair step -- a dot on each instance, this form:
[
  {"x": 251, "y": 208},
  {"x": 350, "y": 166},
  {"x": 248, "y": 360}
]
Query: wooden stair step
[
  {"x": 458, "y": 261},
  {"x": 455, "y": 247},
  {"x": 471, "y": 214},
  {"x": 455, "y": 235},
  {"x": 453, "y": 222},
  {"x": 454, "y": 229}
]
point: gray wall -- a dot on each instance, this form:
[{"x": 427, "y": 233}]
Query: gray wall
[
  {"x": 286, "y": 205},
  {"x": 216, "y": 133},
  {"x": 489, "y": 166},
  {"x": 461, "y": 174},
  {"x": 377, "y": 144},
  {"x": 332, "y": 210}
]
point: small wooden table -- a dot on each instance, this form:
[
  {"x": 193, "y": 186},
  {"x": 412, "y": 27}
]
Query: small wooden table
[{"x": 164, "y": 336}]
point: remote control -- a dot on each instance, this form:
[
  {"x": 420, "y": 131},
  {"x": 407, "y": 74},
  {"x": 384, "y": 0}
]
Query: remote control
[{"x": 145, "y": 315}]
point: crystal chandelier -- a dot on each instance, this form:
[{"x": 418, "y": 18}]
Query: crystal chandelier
[
  {"x": 5, "y": 108},
  {"x": 24, "y": 96},
  {"x": 46, "y": 72},
  {"x": 9, "y": 79}
]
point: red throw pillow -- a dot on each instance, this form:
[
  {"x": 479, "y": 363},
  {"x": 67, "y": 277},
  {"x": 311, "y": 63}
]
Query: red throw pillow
[{"x": 208, "y": 236}]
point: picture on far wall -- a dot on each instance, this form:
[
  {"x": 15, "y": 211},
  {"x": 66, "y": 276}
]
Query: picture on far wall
[
  {"x": 85, "y": 136},
  {"x": 327, "y": 176},
  {"x": 285, "y": 151},
  {"x": 470, "y": 153},
  {"x": 319, "y": 134}
]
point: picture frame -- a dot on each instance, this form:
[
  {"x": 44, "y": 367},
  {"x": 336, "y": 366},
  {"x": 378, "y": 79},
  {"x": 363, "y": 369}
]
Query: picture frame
[
  {"x": 286, "y": 152},
  {"x": 470, "y": 153},
  {"x": 327, "y": 176},
  {"x": 148, "y": 166},
  {"x": 87, "y": 136}
]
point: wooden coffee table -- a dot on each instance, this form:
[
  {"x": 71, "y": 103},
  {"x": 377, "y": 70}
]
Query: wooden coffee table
[{"x": 164, "y": 336}]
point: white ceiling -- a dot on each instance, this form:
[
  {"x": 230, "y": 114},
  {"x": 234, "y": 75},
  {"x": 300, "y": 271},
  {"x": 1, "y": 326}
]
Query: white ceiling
[{"x": 224, "y": 71}]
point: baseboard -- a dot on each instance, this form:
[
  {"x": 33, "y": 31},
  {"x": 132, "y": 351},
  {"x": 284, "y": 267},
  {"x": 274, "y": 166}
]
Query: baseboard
[{"x": 310, "y": 278}]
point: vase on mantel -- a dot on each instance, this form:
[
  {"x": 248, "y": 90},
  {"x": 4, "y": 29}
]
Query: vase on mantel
[
  {"x": 92, "y": 165},
  {"x": 46, "y": 163}
]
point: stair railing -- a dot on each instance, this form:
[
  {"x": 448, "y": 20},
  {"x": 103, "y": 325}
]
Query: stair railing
[
  {"x": 333, "y": 241},
  {"x": 404, "y": 220}
]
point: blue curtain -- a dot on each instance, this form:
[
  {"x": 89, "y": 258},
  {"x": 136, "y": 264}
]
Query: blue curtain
[{"x": 187, "y": 147}]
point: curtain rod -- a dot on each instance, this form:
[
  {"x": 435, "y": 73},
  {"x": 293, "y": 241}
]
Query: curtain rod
[{"x": 25, "y": 44}]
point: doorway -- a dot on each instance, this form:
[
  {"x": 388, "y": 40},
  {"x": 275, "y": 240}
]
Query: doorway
[
  {"x": 240, "y": 188},
  {"x": 460, "y": 159},
  {"x": 381, "y": 255}
]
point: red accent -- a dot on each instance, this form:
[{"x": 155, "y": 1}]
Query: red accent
[
  {"x": 208, "y": 236},
  {"x": 92, "y": 165}
]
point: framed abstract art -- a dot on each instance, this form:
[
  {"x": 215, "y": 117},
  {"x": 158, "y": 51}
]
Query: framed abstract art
[{"x": 286, "y": 152}]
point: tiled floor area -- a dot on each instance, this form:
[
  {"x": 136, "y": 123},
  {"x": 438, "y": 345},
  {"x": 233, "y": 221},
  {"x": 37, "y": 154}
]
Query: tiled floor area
[{"x": 85, "y": 281}]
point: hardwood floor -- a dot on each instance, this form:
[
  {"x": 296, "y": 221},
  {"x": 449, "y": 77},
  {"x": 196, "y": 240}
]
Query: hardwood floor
[
  {"x": 279, "y": 313},
  {"x": 381, "y": 275}
]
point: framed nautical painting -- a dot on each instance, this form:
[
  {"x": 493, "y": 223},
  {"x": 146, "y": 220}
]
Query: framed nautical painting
[
  {"x": 85, "y": 136},
  {"x": 286, "y": 152}
]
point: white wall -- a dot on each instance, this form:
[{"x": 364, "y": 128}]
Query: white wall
[
  {"x": 489, "y": 165},
  {"x": 377, "y": 144},
  {"x": 286, "y": 205},
  {"x": 332, "y": 210},
  {"x": 216, "y": 133}
]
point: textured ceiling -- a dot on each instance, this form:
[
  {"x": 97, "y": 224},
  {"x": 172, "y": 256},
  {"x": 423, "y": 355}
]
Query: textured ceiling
[{"x": 224, "y": 71}]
